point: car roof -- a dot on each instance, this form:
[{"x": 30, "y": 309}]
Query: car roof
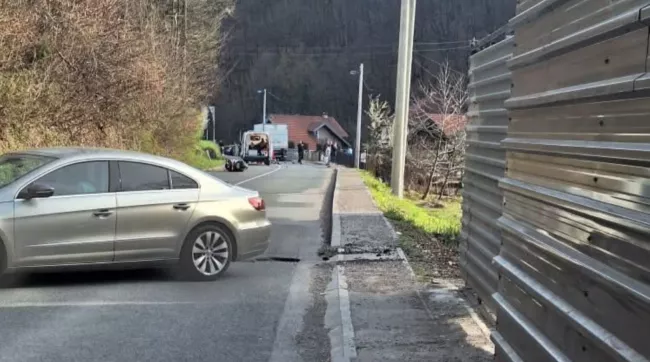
[
  {"x": 65, "y": 152},
  {"x": 89, "y": 153},
  {"x": 66, "y": 155}
]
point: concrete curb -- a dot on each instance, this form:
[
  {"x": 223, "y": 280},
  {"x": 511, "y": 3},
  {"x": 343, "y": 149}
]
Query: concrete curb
[
  {"x": 338, "y": 318},
  {"x": 335, "y": 240}
]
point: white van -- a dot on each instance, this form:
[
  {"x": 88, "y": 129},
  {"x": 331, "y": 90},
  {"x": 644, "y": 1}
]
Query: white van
[
  {"x": 257, "y": 147},
  {"x": 279, "y": 134}
]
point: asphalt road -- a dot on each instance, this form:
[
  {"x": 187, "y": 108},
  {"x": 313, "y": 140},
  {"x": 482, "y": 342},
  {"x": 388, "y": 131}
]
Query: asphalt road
[{"x": 258, "y": 311}]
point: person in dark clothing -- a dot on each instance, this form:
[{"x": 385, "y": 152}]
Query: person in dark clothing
[
  {"x": 333, "y": 153},
  {"x": 261, "y": 147},
  {"x": 221, "y": 146},
  {"x": 301, "y": 152}
]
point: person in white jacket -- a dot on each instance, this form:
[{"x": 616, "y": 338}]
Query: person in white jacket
[{"x": 328, "y": 153}]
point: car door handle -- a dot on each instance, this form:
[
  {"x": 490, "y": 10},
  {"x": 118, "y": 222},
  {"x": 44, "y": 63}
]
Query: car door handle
[
  {"x": 102, "y": 213},
  {"x": 181, "y": 207}
]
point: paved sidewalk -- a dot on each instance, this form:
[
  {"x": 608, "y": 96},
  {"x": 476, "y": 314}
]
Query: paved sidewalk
[
  {"x": 363, "y": 227},
  {"x": 393, "y": 317}
]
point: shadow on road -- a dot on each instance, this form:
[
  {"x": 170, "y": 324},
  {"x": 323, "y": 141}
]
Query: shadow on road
[{"x": 94, "y": 277}]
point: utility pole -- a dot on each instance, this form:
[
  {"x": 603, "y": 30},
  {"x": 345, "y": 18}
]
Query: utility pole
[
  {"x": 409, "y": 63},
  {"x": 357, "y": 145},
  {"x": 263, "y": 109},
  {"x": 214, "y": 123},
  {"x": 214, "y": 130},
  {"x": 402, "y": 92}
]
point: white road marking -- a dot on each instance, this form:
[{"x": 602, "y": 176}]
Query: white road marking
[{"x": 276, "y": 169}]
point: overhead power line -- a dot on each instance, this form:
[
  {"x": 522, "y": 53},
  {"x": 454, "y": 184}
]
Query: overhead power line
[
  {"x": 335, "y": 47},
  {"x": 347, "y": 51},
  {"x": 437, "y": 63}
]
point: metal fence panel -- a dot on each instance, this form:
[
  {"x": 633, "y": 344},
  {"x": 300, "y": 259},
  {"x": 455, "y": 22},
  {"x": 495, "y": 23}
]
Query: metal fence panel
[
  {"x": 484, "y": 166},
  {"x": 574, "y": 263}
]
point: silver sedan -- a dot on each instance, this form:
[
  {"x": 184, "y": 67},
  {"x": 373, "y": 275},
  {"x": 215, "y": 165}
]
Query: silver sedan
[{"x": 75, "y": 207}]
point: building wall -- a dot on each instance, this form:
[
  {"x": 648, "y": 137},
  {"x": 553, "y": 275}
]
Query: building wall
[{"x": 324, "y": 135}]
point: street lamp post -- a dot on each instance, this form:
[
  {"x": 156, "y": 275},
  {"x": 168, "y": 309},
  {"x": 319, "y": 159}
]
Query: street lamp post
[{"x": 357, "y": 144}]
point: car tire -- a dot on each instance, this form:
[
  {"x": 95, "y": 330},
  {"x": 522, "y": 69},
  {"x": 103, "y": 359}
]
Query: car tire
[
  {"x": 202, "y": 256},
  {"x": 267, "y": 162}
]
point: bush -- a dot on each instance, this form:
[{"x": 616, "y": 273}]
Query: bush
[
  {"x": 203, "y": 154},
  {"x": 105, "y": 74},
  {"x": 210, "y": 148}
]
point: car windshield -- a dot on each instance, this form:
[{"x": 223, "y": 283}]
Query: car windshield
[{"x": 15, "y": 166}]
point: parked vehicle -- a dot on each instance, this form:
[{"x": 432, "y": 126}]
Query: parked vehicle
[
  {"x": 257, "y": 147},
  {"x": 279, "y": 134},
  {"x": 66, "y": 208}
]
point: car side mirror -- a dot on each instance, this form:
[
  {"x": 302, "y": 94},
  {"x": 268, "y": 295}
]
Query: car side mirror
[{"x": 36, "y": 191}]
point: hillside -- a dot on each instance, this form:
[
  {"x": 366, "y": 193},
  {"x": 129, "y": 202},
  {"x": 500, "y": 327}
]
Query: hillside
[{"x": 302, "y": 51}]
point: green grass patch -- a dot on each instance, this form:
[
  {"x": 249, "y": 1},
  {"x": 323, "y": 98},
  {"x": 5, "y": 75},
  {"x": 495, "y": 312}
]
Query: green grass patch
[
  {"x": 205, "y": 156},
  {"x": 443, "y": 223},
  {"x": 429, "y": 230}
]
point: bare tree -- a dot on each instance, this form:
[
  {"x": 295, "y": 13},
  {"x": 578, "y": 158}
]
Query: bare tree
[
  {"x": 379, "y": 146},
  {"x": 437, "y": 128}
]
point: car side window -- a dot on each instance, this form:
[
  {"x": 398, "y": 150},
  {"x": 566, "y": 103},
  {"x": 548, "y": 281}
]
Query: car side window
[
  {"x": 137, "y": 176},
  {"x": 78, "y": 179},
  {"x": 181, "y": 181}
]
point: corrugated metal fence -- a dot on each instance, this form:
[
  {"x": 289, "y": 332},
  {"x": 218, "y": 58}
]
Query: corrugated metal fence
[
  {"x": 485, "y": 164},
  {"x": 573, "y": 268}
]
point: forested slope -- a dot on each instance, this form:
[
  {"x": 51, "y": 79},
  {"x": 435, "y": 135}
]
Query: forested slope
[{"x": 302, "y": 51}]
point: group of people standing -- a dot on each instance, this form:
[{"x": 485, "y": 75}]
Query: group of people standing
[{"x": 329, "y": 152}]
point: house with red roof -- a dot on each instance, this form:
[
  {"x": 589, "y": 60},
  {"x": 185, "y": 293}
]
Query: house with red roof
[
  {"x": 312, "y": 130},
  {"x": 449, "y": 124}
]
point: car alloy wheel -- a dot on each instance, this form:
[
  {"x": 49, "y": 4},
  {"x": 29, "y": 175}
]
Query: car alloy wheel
[
  {"x": 206, "y": 253},
  {"x": 210, "y": 253}
]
